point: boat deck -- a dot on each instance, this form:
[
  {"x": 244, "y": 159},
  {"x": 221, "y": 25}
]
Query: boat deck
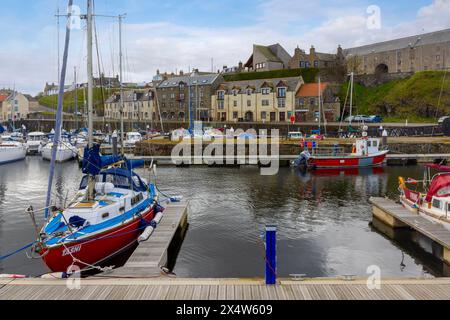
[{"x": 224, "y": 289}]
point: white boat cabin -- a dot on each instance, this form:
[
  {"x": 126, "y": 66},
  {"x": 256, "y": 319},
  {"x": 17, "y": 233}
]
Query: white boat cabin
[{"x": 365, "y": 147}]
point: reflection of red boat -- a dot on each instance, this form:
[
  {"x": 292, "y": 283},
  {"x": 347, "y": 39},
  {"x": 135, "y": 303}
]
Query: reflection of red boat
[
  {"x": 365, "y": 153},
  {"x": 348, "y": 171}
]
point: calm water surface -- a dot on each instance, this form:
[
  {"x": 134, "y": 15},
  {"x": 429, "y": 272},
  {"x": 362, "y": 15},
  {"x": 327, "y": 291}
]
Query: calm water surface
[{"x": 323, "y": 220}]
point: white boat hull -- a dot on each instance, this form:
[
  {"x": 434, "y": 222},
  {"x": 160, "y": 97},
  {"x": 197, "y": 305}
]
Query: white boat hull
[
  {"x": 62, "y": 154},
  {"x": 11, "y": 152}
]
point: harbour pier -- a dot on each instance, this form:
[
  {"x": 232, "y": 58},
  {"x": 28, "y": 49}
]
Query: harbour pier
[{"x": 395, "y": 216}]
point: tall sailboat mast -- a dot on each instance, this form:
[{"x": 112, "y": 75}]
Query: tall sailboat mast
[
  {"x": 351, "y": 95},
  {"x": 122, "y": 107},
  {"x": 91, "y": 179},
  {"x": 320, "y": 108}
]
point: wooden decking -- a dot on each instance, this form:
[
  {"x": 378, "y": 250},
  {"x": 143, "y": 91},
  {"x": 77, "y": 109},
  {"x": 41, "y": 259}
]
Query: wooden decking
[
  {"x": 151, "y": 255},
  {"x": 394, "y": 215},
  {"x": 224, "y": 289}
]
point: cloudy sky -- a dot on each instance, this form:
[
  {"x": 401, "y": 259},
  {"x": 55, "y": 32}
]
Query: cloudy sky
[{"x": 174, "y": 35}]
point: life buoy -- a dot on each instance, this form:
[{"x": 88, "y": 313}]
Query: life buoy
[{"x": 401, "y": 182}]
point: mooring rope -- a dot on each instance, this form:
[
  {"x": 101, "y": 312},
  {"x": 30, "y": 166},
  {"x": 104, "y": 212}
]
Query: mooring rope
[{"x": 17, "y": 251}]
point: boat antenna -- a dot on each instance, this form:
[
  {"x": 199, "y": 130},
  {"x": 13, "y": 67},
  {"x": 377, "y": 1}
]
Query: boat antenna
[{"x": 58, "y": 125}]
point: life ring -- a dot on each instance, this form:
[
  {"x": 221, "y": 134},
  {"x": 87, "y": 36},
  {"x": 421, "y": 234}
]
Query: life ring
[{"x": 401, "y": 182}]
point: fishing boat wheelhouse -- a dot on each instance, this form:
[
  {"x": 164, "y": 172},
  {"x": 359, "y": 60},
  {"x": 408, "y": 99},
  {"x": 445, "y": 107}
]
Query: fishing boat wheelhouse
[{"x": 433, "y": 203}]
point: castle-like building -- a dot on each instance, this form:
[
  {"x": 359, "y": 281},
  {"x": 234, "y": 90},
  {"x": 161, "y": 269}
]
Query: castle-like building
[{"x": 430, "y": 51}]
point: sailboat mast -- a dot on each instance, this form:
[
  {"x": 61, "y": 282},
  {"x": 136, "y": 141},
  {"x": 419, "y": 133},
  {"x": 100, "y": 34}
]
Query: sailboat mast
[
  {"x": 122, "y": 107},
  {"x": 320, "y": 109},
  {"x": 91, "y": 178},
  {"x": 351, "y": 96},
  {"x": 76, "y": 97}
]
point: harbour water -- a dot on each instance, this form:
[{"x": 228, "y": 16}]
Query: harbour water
[{"x": 323, "y": 220}]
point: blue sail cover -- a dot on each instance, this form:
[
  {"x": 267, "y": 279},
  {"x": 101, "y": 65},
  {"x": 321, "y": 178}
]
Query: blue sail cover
[
  {"x": 134, "y": 164},
  {"x": 93, "y": 162},
  {"x": 2, "y": 129}
]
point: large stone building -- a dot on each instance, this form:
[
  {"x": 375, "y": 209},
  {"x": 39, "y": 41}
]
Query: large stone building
[
  {"x": 139, "y": 105},
  {"x": 175, "y": 94},
  {"x": 264, "y": 100},
  {"x": 315, "y": 59},
  {"x": 13, "y": 105},
  {"x": 423, "y": 52}
]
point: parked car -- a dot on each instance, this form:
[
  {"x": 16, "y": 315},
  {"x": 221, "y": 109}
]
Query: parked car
[
  {"x": 442, "y": 119},
  {"x": 375, "y": 119}
]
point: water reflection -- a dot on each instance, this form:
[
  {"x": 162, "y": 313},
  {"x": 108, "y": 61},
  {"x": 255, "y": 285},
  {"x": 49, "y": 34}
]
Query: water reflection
[{"x": 322, "y": 216}]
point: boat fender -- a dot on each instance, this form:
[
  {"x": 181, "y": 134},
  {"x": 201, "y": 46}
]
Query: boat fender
[
  {"x": 176, "y": 199},
  {"x": 158, "y": 217},
  {"x": 401, "y": 182},
  {"x": 56, "y": 275},
  {"x": 158, "y": 208},
  {"x": 146, "y": 234},
  {"x": 12, "y": 276}
]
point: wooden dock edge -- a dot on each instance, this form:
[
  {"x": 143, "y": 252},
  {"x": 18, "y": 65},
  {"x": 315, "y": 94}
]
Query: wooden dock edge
[{"x": 386, "y": 215}]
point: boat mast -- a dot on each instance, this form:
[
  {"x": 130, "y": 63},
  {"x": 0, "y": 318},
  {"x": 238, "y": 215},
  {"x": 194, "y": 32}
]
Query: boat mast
[
  {"x": 76, "y": 97},
  {"x": 91, "y": 178},
  {"x": 351, "y": 96},
  {"x": 122, "y": 107},
  {"x": 320, "y": 110}
]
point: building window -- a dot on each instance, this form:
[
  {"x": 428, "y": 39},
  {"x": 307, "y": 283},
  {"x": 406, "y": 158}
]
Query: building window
[
  {"x": 249, "y": 103},
  {"x": 312, "y": 101},
  {"x": 221, "y": 95},
  {"x": 235, "y": 92},
  {"x": 316, "y": 64},
  {"x": 221, "y": 105},
  {"x": 263, "y": 115},
  {"x": 282, "y": 116},
  {"x": 281, "y": 103},
  {"x": 302, "y": 64},
  {"x": 301, "y": 101},
  {"x": 265, "y": 103},
  {"x": 281, "y": 92},
  {"x": 235, "y": 115},
  {"x": 308, "y": 65},
  {"x": 172, "y": 96},
  {"x": 235, "y": 104},
  {"x": 265, "y": 91},
  {"x": 249, "y": 92},
  {"x": 438, "y": 58}
]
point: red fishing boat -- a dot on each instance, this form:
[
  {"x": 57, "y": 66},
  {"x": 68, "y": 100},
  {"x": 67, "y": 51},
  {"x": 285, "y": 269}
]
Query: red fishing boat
[{"x": 366, "y": 153}]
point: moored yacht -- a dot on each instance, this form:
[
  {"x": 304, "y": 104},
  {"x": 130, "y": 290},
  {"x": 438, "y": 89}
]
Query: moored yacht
[
  {"x": 35, "y": 142},
  {"x": 433, "y": 200}
]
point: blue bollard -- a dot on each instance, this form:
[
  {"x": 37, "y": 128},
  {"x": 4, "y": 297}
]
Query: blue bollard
[{"x": 271, "y": 255}]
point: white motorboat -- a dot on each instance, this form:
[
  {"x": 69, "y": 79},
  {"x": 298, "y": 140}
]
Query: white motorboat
[
  {"x": 11, "y": 151},
  {"x": 65, "y": 151},
  {"x": 132, "y": 138},
  {"x": 35, "y": 142}
]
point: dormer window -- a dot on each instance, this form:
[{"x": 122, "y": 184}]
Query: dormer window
[
  {"x": 249, "y": 92},
  {"x": 265, "y": 91},
  {"x": 281, "y": 92},
  {"x": 235, "y": 92},
  {"x": 221, "y": 95}
]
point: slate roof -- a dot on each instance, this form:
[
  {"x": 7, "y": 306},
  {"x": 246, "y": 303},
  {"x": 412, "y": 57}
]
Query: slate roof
[
  {"x": 199, "y": 79},
  {"x": 291, "y": 83},
  {"x": 402, "y": 43}
]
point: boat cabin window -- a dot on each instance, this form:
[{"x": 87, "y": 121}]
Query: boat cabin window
[
  {"x": 448, "y": 207},
  {"x": 437, "y": 203},
  {"x": 375, "y": 143}
]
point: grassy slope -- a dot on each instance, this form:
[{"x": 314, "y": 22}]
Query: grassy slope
[
  {"x": 415, "y": 98},
  {"x": 69, "y": 101}
]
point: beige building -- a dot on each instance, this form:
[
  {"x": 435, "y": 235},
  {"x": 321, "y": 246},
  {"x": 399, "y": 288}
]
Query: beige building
[
  {"x": 139, "y": 105},
  {"x": 423, "y": 52},
  {"x": 265, "y": 100},
  {"x": 13, "y": 105}
]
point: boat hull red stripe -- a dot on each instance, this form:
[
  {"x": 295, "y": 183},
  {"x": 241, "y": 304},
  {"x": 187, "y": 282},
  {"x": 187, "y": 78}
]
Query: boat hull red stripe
[
  {"x": 97, "y": 248},
  {"x": 347, "y": 162}
]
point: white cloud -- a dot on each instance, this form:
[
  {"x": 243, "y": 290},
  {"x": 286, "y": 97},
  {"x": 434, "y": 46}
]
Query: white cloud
[{"x": 169, "y": 46}]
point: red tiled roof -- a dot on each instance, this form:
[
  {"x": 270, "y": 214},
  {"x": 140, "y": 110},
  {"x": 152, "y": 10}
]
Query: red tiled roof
[
  {"x": 311, "y": 89},
  {"x": 3, "y": 97}
]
